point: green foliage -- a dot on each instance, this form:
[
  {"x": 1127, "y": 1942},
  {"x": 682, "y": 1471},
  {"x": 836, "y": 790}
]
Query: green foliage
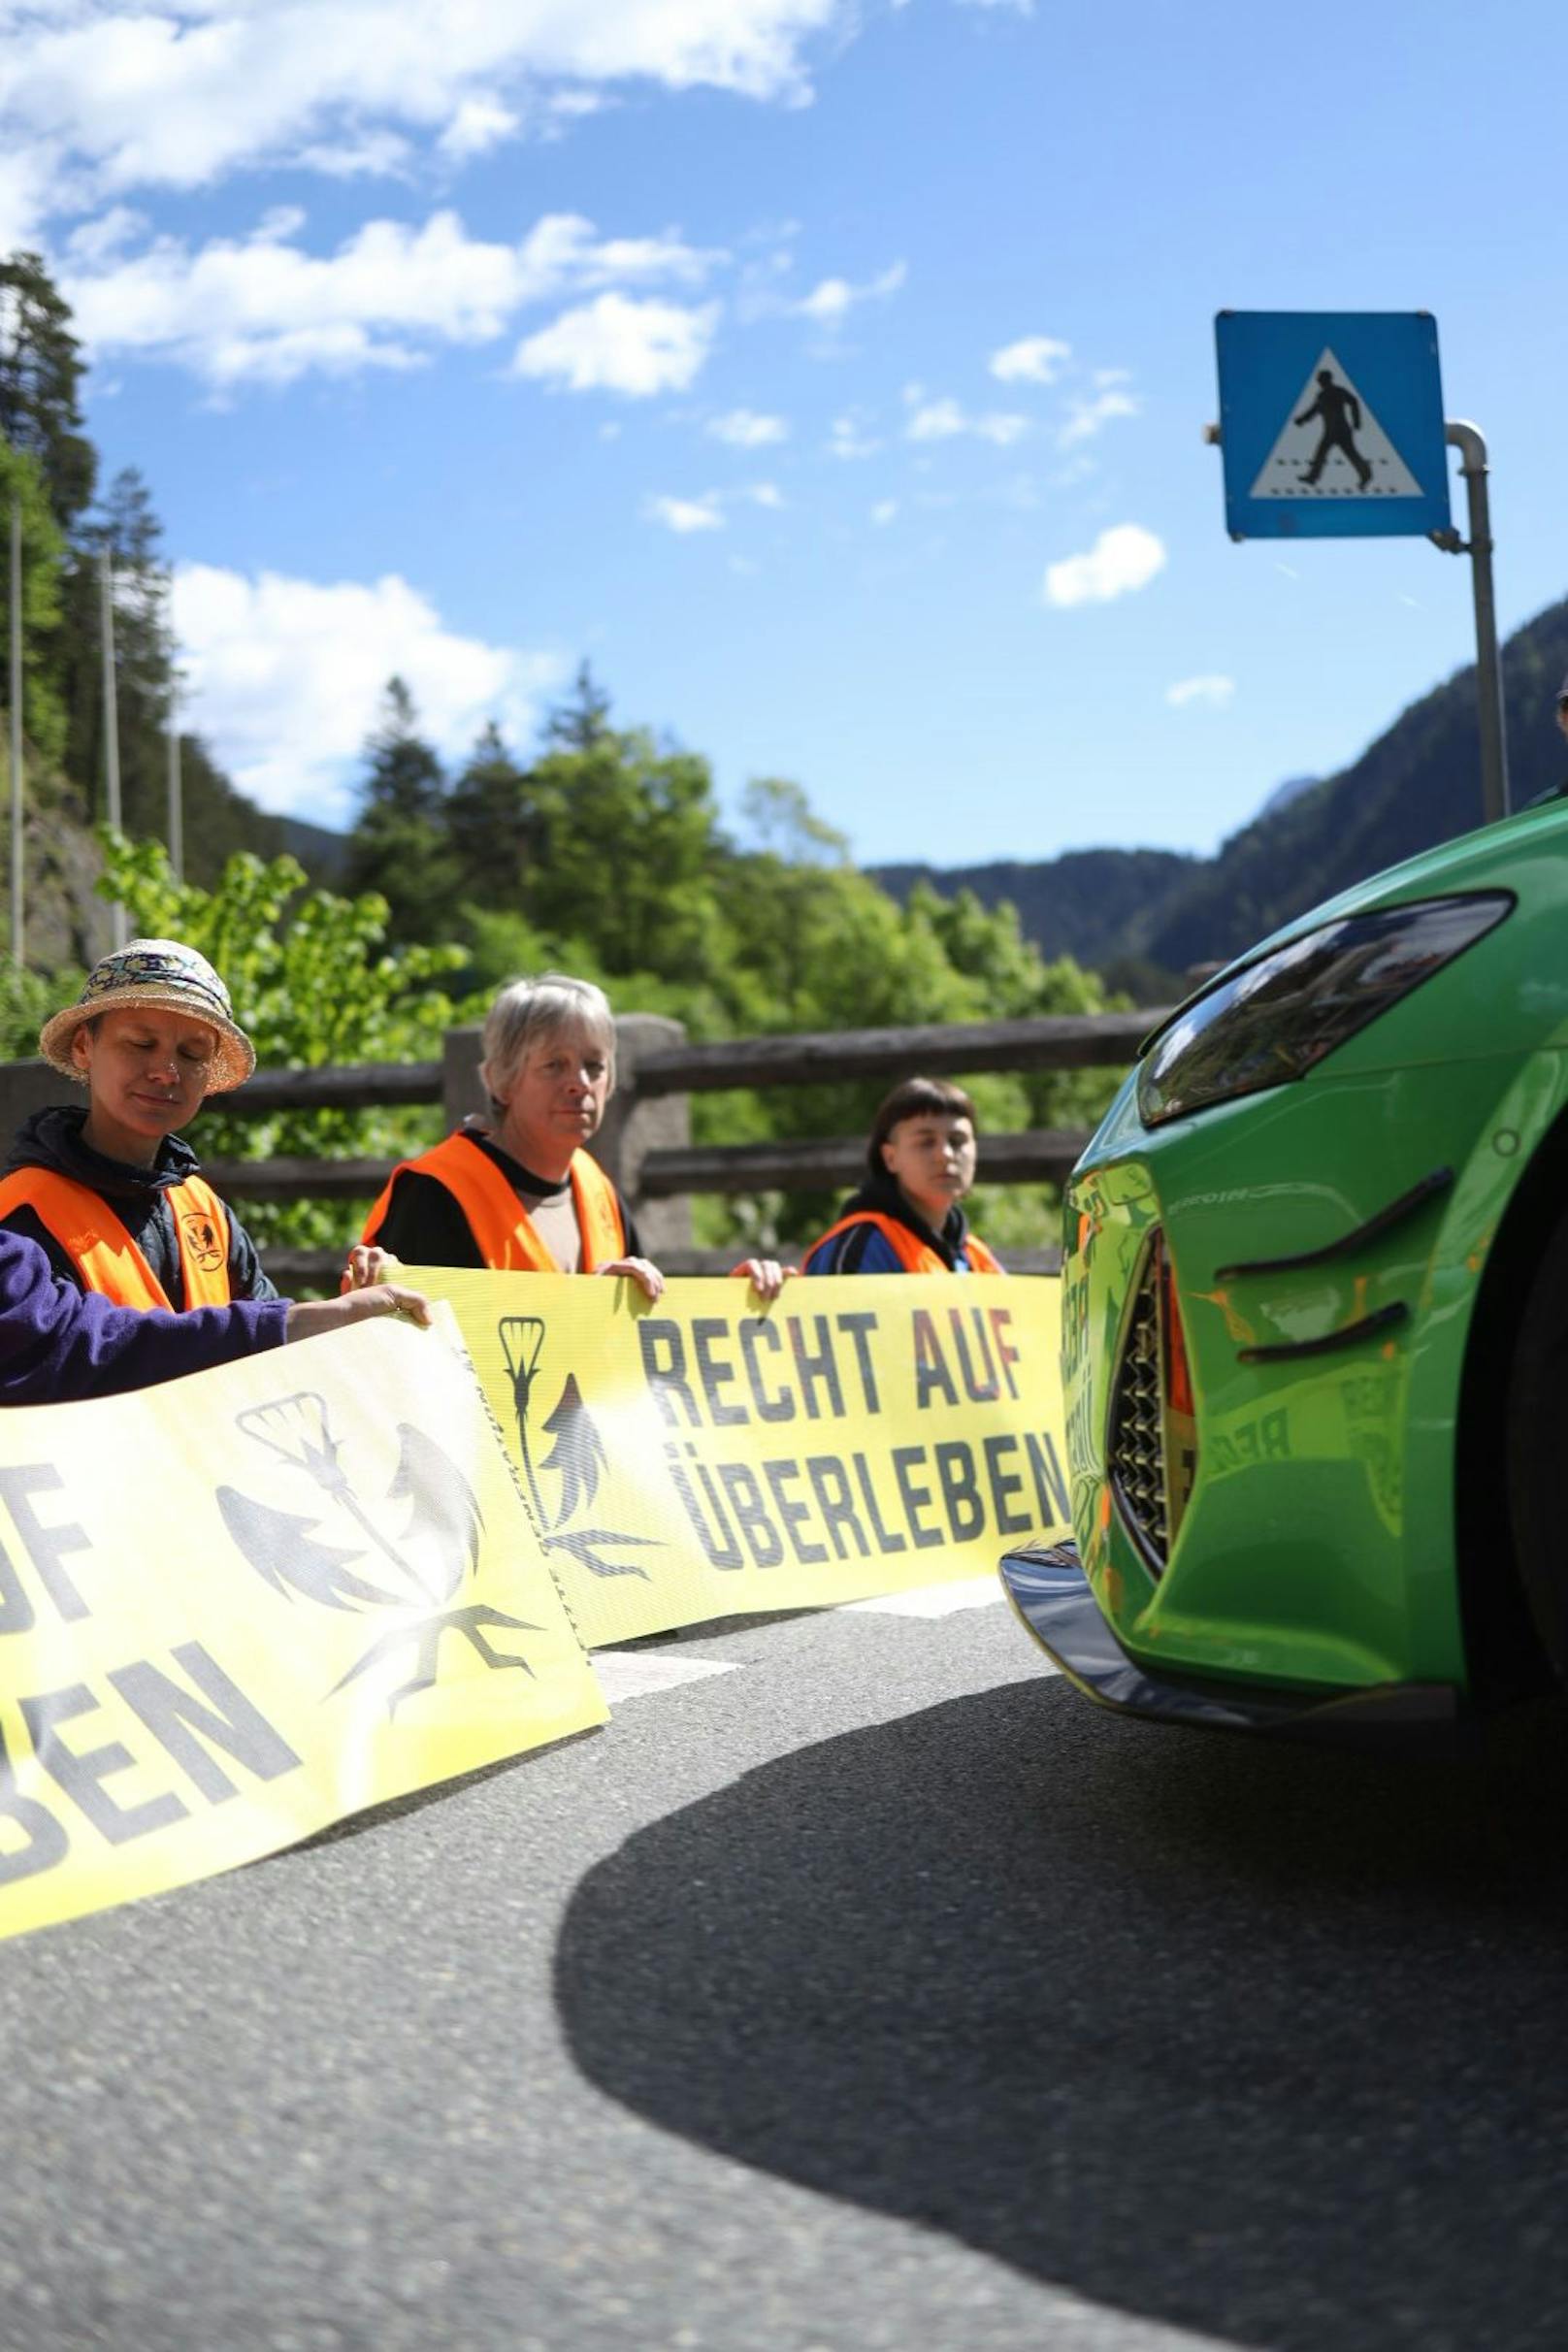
[
  {"x": 313, "y": 983},
  {"x": 26, "y": 1001},
  {"x": 39, "y": 377},
  {"x": 65, "y": 540},
  {"x": 602, "y": 854},
  {"x": 43, "y": 551},
  {"x": 398, "y": 847},
  {"x": 605, "y": 857}
]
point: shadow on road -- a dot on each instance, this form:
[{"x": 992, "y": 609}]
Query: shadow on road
[{"x": 1247, "y": 2039}]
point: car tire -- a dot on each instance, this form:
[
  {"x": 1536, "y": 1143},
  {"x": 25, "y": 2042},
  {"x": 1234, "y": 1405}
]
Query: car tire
[{"x": 1536, "y": 1450}]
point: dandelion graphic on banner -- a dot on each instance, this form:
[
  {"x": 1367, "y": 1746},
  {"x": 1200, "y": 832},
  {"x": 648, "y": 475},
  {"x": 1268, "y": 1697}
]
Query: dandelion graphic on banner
[
  {"x": 336, "y": 1554},
  {"x": 577, "y": 1458}
]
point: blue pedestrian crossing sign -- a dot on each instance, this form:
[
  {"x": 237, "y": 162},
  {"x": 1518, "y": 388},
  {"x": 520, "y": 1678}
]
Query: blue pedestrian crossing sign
[{"x": 1331, "y": 424}]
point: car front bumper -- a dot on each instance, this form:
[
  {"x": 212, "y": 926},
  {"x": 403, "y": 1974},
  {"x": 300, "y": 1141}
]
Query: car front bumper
[{"x": 1048, "y": 1589}]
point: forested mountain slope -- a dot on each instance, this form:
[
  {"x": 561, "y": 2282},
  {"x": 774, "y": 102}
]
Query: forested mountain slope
[{"x": 1417, "y": 784}]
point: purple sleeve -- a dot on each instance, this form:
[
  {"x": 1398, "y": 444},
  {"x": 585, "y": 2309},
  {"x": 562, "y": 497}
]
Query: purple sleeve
[{"x": 59, "y": 1345}]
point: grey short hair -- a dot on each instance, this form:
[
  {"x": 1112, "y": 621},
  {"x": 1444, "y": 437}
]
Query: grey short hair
[{"x": 527, "y": 1013}]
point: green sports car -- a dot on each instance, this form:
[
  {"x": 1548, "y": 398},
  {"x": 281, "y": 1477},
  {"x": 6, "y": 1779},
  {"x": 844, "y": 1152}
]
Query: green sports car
[{"x": 1314, "y": 1319}]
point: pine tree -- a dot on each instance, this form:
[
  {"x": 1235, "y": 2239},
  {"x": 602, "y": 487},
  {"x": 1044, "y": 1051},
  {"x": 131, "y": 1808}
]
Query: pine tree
[
  {"x": 40, "y": 373},
  {"x": 582, "y": 723},
  {"x": 494, "y": 825},
  {"x": 399, "y": 845}
]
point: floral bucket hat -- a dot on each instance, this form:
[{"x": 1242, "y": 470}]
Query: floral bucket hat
[{"x": 162, "y": 973}]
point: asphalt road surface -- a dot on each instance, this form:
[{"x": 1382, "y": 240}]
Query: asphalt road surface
[{"x": 859, "y": 1987}]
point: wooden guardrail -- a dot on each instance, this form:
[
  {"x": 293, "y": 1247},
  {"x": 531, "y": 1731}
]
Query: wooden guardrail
[{"x": 645, "y": 1142}]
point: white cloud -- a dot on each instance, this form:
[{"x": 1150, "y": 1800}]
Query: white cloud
[
  {"x": 744, "y": 428},
  {"x": 830, "y": 303},
  {"x": 687, "y": 514},
  {"x": 100, "y": 97},
  {"x": 707, "y": 512},
  {"x": 1086, "y": 417},
  {"x": 1122, "y": 559},
  {"x": 945, "y": 420},
  {"x": 1210, "y": 692},
  {"x": 30, "y": 179},
  {"x": 935, "y": 419},
  {"x": 369, "y": 156},
  {"x": 285, "y": 677},
  {"x": 478, "y": 124},
  {"x": 615, "y": 346},
  {"x": 885, "y": 511},
  {"x": 264, "y": 308},
  {"x": 849, "y": 437},
  {"x": 1036, "y": 360}
]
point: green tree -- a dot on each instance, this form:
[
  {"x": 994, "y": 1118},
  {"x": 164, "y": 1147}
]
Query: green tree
[
  {"x": 493, "y": 825},
  {"x": 581, "y": 723},
  {"x": 219, "y": 821},
  {"x": 40, "y": 371},
  {"x": 399, "y": 844},
  {"x": 629, "y": 837},
  {"x": 314, "y": 982},
  {"x": 42, "y": 556}
]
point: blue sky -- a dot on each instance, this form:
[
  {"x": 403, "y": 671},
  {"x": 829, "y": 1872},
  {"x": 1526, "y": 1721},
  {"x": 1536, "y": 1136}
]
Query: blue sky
[{"x": 831, "y": 377}]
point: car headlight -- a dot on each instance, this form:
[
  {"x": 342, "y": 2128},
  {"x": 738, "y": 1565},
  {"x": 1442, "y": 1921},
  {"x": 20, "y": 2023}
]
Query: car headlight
[{"x": 1272, "y": 1021}]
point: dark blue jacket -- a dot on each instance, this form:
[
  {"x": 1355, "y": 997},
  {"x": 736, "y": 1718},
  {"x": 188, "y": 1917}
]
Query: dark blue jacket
[
  {"x": 59, "y": 1345},
  {"x": 52, "y": 1139},
  {"x": 862, "y": 1250}
]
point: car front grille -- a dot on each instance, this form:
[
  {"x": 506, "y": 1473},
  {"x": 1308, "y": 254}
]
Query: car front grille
[{"x": 1137, "y": 1447}]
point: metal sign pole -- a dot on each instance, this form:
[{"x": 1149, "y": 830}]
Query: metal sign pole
[
  {"x": 177, "y": 828},
  {"x": 18, "y": 928},
  {"x": 106, "y": 575},
  {"x": 1471, "y": 445}
]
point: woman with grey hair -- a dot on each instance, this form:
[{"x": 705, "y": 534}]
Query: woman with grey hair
[{"x": 518, "y": 1192}]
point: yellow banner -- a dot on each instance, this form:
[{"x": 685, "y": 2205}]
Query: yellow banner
[
  {"x": 701, "y": 1457},
  {"x": 242, "y": 1605}
]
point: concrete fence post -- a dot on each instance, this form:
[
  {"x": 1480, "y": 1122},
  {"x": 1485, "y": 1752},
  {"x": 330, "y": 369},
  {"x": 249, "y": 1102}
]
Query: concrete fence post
[
  {"x": 462, "y": 1094},
  {"x": 637, "y": 1124}
]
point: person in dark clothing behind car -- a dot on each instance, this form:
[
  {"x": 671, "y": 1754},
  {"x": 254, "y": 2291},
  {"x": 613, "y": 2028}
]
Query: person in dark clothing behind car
[
  {"x": 905, "y": 1219},
  {"x": 61, "y": 1345}
]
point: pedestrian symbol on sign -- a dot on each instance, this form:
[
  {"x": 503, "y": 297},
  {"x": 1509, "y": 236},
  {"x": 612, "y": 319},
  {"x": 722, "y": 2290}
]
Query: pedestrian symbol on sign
[{"x": 1331, "y": 445}]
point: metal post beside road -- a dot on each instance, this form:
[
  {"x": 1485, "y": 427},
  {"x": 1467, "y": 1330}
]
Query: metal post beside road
[
  {"x": 18, "y": 925},
  {"x": 1471, "y": 445},
  {"x": 177, "y": 820},
  {"x": 106, "y": 575}
]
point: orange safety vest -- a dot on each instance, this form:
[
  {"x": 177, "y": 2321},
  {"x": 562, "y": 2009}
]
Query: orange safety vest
[
  {"x": 914, "y": 1256},
  {"x": 501, "y": 1228},
  {"x": 105, "y": 1256}
]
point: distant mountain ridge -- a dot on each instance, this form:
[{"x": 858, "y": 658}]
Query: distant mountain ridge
[
  {"x": 1418, "y": 784},
  {"x": 1084, "y": 904}
]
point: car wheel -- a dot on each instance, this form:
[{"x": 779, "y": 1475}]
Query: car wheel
[{"x": 1537, "y": 1450}]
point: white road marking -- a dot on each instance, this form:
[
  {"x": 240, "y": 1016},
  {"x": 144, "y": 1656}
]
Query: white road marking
[
  {"x": 631, "y": 1674},
  {"x": 935, "y": 1600}
]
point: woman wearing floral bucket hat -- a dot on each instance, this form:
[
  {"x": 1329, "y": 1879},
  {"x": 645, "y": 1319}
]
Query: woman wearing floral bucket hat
[{"x": 109, "y": 1192}]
